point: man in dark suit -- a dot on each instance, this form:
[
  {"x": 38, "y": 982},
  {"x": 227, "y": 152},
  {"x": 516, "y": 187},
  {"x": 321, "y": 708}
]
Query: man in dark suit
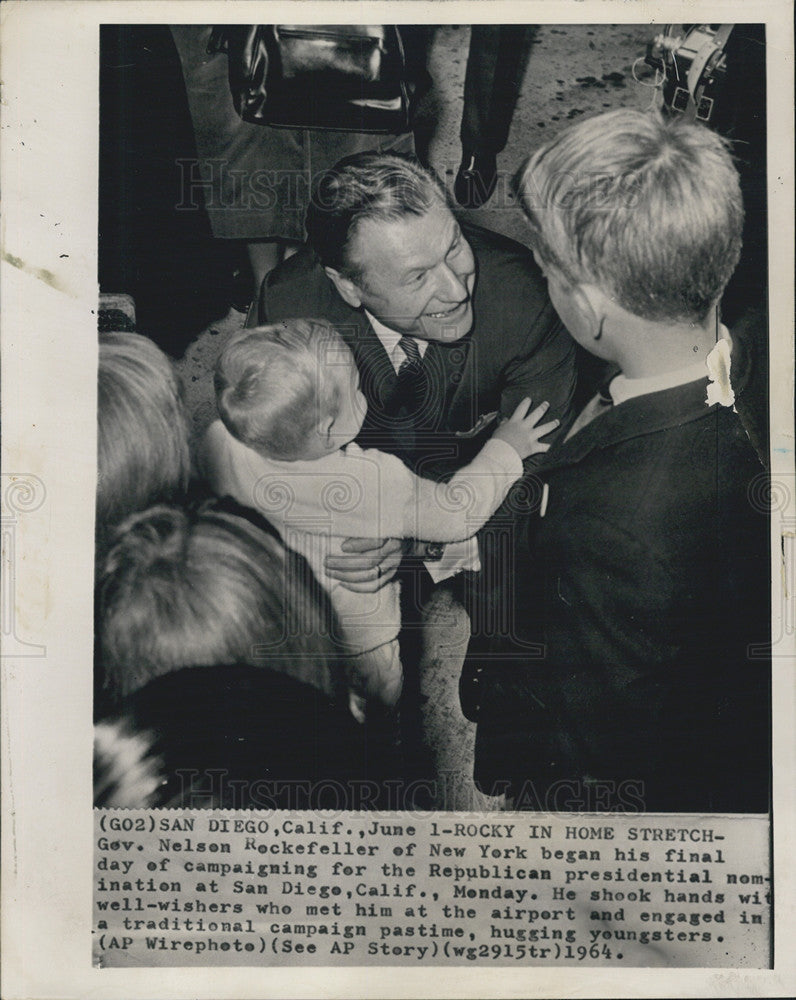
[
  {"x": 636, "y": 673},
  {"x": 450, "y": 325}
]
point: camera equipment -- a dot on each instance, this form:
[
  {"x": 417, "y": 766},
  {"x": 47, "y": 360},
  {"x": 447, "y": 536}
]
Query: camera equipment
[{"x": 694, "y": 66}]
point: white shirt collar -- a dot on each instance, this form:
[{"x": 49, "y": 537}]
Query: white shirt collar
[
  {"x": 623, "y": 388},
  {"x": 389, "y": 341}
]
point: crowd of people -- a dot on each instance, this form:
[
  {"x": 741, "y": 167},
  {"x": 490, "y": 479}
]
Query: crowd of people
[{"x": 416, "y": 399}]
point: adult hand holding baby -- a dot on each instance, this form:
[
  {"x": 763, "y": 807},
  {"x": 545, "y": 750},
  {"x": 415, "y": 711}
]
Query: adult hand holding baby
[{"x": 369, "y": 563}]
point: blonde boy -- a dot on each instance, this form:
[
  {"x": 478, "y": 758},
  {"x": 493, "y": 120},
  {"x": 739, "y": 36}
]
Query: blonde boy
[{"x": 648, "y": 575}]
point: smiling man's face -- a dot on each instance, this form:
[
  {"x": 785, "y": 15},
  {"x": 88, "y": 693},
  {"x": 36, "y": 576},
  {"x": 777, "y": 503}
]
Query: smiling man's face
[{"x": 418, "y": 274}]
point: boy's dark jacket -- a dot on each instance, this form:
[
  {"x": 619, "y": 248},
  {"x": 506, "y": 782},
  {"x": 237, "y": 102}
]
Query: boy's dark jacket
[{"x": 639, "y": 618}]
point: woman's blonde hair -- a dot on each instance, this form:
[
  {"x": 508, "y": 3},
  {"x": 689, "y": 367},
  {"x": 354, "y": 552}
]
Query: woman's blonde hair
[
  {"x": 182, "y": 588},
  {"x": 143, "y": 455}
]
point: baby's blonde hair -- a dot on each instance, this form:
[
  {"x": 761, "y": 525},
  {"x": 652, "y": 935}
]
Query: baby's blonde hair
[{"x": 274, "y": 384}]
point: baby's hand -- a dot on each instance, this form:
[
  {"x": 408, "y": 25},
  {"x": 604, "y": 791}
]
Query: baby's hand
[{"x": 521, "y": 430}]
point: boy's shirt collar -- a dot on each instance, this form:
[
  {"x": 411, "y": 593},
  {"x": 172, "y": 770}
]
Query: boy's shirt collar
[{"x": 622, "y": 388}]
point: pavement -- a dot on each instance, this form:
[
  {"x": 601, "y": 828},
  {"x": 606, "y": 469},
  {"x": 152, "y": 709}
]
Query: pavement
[{"x": 573, "y": 71}]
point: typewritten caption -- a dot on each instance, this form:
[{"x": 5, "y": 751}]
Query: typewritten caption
[{"x": 211, "y": 888}]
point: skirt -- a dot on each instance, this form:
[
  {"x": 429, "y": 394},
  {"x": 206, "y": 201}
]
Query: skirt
[{"x": 254, "y": 180}]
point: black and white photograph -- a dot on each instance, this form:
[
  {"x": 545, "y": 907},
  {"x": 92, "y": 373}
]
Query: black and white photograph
[
  {"x": 420, "y": 598},
  {"x": 483, "y": 371}
]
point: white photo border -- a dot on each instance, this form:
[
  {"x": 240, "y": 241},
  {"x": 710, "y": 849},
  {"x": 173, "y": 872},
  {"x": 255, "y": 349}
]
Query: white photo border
[{"x": 49, "y": 117}]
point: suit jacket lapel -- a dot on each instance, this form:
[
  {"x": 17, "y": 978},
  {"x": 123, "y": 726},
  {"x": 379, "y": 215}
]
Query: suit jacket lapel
[
  {"x": 445, "y": 367},
  {"x": 377, "y": 375},
  {"x": 444, "y": 364}
]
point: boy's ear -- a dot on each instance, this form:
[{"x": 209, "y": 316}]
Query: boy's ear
[
  {"x": 325, "y": 430},
  {"x": 349, "y": 292},
  {"x": 593, "y": 305}
]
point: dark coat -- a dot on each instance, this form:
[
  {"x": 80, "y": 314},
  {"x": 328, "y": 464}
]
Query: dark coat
[
  {"x": 639, "y": 623},
  {"x": 239, "y": 737},
  {"x": 517, "y": 347}
]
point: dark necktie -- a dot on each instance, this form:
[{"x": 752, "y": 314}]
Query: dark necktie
[
  {"x": 410, "y": 391},
  {"x": 409, "y": 346},
  {"x": 410, "y": 395}
]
